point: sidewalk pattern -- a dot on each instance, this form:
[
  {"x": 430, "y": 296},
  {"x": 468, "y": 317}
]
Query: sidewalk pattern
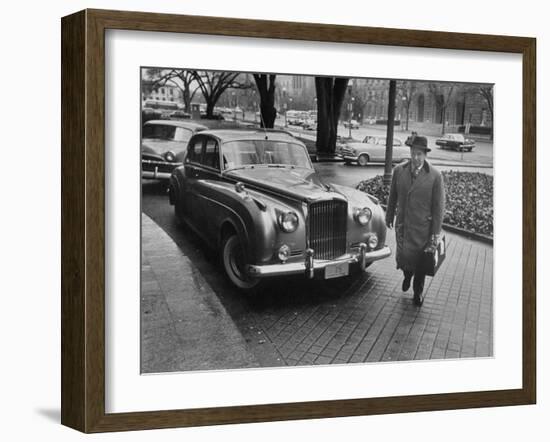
[{"x": 375, "y": 321}]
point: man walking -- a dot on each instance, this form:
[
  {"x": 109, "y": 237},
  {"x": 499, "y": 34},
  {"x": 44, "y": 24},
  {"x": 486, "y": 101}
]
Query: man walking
[{"x": 417, "y": 202}]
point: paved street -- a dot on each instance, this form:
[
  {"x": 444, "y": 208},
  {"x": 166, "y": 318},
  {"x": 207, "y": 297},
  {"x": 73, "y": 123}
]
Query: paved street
[
  {"x": 481, "y": 155},
  {"x": 299, "y": 322}
]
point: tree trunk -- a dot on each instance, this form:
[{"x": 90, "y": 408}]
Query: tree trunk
[
  {"x": 330, "y": 95},
  {"x": 210, "y": 103},
  {"x": 266, "y": 88},
  {"x": 407, "y": 123},
  {"x": 269, "y": 114},
  {"x": 443, "y": 121},
  {"x": 187, "y": 100}
]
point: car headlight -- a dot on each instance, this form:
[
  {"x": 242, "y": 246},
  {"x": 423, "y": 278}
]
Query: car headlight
[
  {"x": 288, "y": 222},
  {"x": 362, "y": 215},
  {"x": 170, "y": 156}
]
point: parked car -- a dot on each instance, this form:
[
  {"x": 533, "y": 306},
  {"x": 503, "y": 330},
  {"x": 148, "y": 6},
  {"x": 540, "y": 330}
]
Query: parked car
[
  {"x": 179, "y": 115},
  {"x": 456, "y": 142},
  {"x": 373, "y": 149},
  {"x": 215, "y": 116},
  {"x": 255, "y": 196},
  {"x": 163, "y": 146},
  {"x": 310, "y": 124},
  {"x": 148, "y": 113},
  {"x": 353, "y": 123}
]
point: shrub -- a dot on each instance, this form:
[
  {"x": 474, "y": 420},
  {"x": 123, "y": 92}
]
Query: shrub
[{"x": 469, "y": 199}]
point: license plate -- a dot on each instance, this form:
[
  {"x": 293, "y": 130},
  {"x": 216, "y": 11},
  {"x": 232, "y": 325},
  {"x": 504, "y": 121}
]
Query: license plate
[{"x": 336, "y": 270}]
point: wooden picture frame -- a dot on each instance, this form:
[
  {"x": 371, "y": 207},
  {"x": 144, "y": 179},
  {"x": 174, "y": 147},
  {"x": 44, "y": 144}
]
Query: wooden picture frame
[{"x": 83, "y": 220}]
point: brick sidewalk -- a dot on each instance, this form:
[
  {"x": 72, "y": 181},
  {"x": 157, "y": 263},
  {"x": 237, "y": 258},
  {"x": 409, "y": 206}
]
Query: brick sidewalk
[{"x": 376, "y": 321}]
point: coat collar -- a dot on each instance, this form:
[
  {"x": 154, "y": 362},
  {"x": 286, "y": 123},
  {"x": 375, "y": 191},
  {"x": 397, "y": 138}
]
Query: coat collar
[{"x": 426, "y": 166}]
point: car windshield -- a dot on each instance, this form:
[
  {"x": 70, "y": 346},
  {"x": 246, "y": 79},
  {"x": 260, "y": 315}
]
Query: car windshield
[
  {"x": 166, "y": 132},
  {"x": 455, "y": 137},
  {"x": 264, "y": 152}
]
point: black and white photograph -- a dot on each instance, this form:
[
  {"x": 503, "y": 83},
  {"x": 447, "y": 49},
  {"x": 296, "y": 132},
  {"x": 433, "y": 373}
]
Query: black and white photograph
[{"x": 299, "y": 220}]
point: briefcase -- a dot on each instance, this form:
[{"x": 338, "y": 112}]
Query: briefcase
[{"x": 430, "y": 261}]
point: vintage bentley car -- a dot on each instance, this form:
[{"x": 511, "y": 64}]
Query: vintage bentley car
[
  {"x": 254, "y": 196},
  {"x": 163, "y": 146},
  {"x": 373, "y": 149}
]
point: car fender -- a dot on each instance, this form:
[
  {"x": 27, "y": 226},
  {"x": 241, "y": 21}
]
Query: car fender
[
  {"x": 252, "y": 215},
  {"x": 359, "y": 199}
]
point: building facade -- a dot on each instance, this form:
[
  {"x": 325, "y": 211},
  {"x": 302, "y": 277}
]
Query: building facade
[
  {"x": 465, "y": 104},
  {"x": 167, "y": 93}
]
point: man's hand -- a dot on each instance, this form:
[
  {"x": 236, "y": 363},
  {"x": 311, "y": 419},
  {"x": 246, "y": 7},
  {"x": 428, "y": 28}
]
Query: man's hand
[{"x": 389, "y": 223}]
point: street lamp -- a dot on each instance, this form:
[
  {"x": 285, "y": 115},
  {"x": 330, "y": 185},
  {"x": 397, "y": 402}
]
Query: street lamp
[
  {"x": 234, "y": 106},
  {"x": 350, "y": 109},
  {"x": 350, "y": 105},
  {"x": 285, "y": 105},
  {"x": 404, "y": 111}
]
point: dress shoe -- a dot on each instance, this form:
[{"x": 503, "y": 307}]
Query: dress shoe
[
  {"x": 406, "y": 283},
  {"x": 418, "y": 298},
  {"x": 418, "y": 287}
]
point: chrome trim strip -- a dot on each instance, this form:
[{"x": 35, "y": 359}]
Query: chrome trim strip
[
  {"x": 161, "y": 163},
  {"x": 265, "y": 271},
  {"x": 155, "y": 175}
]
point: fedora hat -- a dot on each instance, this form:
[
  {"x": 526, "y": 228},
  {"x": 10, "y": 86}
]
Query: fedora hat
[{"x": 419, "y": 142}]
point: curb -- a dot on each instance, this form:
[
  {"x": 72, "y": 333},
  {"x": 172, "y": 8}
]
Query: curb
[
  {"x": 184, "y": 326},
  {"x": 467, "y": 233},
  {"x": 462, "y": 232}
]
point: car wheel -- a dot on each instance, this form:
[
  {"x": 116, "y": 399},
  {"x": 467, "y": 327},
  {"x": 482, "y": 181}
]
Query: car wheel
[
  {"x": 234, "y": 264},
  {"x": 363, "y": 160},
  {"x": 469, "y": 149}
]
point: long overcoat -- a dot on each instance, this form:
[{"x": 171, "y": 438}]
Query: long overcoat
[{"x": 418, "y": 205}]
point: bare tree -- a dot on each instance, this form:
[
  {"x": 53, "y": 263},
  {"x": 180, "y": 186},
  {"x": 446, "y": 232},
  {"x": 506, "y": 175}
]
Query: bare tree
[
  {"x": 214, "y": 83},
  {"x": 407, "y": 92},
  {"x": 442, "y": 94},
  {"x": 487, "y": 93},
  {"x": 330, "y": 95},
  {"x": 180, "y": 78},
  {"x": 266, "y": 87}
]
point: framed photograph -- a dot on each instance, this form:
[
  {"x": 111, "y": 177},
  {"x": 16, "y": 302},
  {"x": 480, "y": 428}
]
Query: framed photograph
[{"x": 267, "y": 220}]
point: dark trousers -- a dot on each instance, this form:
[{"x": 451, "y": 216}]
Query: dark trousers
[{"x": 418, "y": 281}]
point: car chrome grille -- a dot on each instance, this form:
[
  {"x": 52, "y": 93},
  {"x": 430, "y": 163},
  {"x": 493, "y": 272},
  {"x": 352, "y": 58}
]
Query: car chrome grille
[{"x": 327, "y": 228}]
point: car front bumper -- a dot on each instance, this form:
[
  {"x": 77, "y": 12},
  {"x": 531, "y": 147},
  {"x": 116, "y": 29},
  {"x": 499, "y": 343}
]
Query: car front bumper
[
  {"x": 310, "y": 264},
  {"x": 154, "y": 169},
  {"x": 348, "y": 157}
]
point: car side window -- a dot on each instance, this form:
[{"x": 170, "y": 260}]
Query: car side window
[
  {"x": 195, "y": 150},
  {"x": 397, "y": 142},
  {"x": 211, "y": 157}
]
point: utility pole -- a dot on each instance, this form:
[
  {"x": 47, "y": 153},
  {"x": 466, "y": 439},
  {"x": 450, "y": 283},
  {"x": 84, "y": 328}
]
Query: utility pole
[{"x": 389, "y": 133}]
